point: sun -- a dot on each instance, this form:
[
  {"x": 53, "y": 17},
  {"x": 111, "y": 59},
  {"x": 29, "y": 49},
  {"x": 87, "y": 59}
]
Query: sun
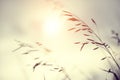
[{"x": 52, "y": 24}]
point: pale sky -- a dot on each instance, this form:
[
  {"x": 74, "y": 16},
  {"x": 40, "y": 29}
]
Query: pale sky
[{"x": 30, "y": 21}]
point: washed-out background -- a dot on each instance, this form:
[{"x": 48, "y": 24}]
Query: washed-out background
[{"x": 24, "y": 20}]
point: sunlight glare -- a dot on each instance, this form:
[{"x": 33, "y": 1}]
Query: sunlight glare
[{"x": 52, "y": 25}]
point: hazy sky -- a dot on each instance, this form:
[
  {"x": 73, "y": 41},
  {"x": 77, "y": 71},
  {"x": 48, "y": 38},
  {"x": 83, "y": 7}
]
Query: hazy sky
[{"x": 25, "y": 20}]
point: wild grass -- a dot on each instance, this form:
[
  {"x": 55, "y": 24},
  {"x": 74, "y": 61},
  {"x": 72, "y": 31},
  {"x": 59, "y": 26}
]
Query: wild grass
[
  {"x": 40, "y": 62},
  {"x": 79, "y": 27},
  {"x": 82, "y": 27}
]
